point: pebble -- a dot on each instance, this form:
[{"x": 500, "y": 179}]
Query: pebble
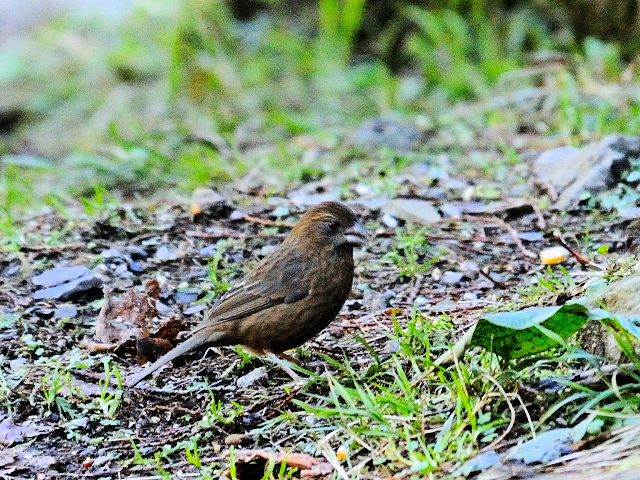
[
  {"x": 389, "y": 221},
  {"x": 165, "y": 253},
  {"x": 451, "y": 278},
  {"x": 252, "y": 377},
  {"x": 65, "y": 283},
  {"x": 412, "y": 210},
  {"x": 187, "y": 296}
]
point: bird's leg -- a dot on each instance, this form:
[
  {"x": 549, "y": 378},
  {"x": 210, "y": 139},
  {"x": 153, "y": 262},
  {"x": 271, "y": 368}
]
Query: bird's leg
[
  {"x": 281, "y": 360},
  {"x": 289, "y": 358}
]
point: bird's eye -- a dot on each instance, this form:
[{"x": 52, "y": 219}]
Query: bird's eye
[{"x": 333, "y": 225}]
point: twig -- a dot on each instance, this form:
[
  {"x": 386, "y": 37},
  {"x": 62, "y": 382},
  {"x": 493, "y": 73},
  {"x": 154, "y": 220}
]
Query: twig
[
  {"x": 542, "y": 224},
  {"x": 511, "y": 410},
  {"x": 580, "y": 258},
  {"x": 52, "y": 248},
  {"x": 268, "y": 223},
  {"x": 497, "y": 283},
  {"x": 512, "y": 231}
]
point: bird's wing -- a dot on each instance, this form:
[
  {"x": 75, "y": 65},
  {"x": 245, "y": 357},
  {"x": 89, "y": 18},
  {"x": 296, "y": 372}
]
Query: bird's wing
[{"x": 268, "y": 285}]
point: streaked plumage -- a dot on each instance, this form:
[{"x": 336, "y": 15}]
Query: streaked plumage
[{"x": 290, "y": 296}]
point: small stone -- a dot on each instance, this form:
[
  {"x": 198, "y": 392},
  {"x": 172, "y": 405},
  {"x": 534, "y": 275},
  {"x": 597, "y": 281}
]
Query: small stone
[
  {"x": 235, "y": 438},
  {"x": 421, "y": 301},
  {"x": 165, "y": 253},
  {"x": 252, "y": 377},
  {"x": 451, "y": 278},
  {"x": 469, "y": 268},
  {"x": 451, "y": 211},
  {"x": 58, "y": 275},
  {"x": 470, "y": 296},
  {"x": 236, "y": 215},
  {"x": 391, "y": 346},
  {"x": 267, "y": 249},
  {"x": 208, "y": 250},
  {"x": 66, "y": 311},
  {"x": 362, "y": 189},
  {"x": 111, "y": 253},
  {"x": 281, "y": 212},
  {"x": 547, "y": 446},
  {"x": 629, "y": 213},
  {"x": 65, "y": 283},
  {"x": 194, "y": 309},
  {"x": 479, "y": 463},
  {"x": 531, "y": 236},
  {"x": 412, "y": 210},
  {"x": 136, "y": 266},
  {"x": 436, "y": 274},
  {"x": 389, "y": 221},
  {"x": 187, "y": 295},
  {"x": 12, "y": 268}
]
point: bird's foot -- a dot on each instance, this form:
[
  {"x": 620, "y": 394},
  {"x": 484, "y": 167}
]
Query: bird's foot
[{"x": 283, "y": 360}]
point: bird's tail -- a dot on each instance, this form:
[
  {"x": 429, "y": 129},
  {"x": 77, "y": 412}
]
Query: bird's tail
[{"x": 192, "y": 343}]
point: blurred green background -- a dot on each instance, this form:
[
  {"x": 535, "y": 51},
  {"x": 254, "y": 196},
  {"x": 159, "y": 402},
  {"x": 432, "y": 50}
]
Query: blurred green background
[{"x": 129, "y": 97}]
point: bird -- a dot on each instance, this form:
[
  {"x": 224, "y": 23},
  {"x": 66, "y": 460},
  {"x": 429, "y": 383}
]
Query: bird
[{"x": 289, "y": 297}]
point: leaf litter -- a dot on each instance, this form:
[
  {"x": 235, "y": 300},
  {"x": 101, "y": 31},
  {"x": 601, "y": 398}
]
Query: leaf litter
[{"x": 458, "y": 266}]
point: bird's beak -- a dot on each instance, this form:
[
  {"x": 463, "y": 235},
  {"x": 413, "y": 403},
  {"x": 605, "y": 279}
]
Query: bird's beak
[{"x": 356, "y": 235}]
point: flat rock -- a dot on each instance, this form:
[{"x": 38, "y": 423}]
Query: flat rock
[
  {"x": 593, "y": 168},
  {"x": 252, "y": 377},
  {"x": 65, "y": 283},
  {"x": 58, "y": 275},
  {"x": 451, "y": 278},
  {"x": 165, "y": 253},
  {"x": 412, "y": 210},
  {"x": 544, "y": 448}
]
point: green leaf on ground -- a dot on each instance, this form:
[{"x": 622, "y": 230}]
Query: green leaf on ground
[{"x": 516, "y": 334}]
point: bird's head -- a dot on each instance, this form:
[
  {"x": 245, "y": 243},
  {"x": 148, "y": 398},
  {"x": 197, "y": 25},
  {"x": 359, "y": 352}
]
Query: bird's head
[{"x": 330, "y": 224}]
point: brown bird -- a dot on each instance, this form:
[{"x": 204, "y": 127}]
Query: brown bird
[{"x": 289, "y": 297}]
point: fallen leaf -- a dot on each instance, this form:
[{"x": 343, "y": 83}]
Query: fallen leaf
[
  {"x": 123, "y": 325},
  {"x": 11, "y": 433},
  {"x": 309, "y": 466}
]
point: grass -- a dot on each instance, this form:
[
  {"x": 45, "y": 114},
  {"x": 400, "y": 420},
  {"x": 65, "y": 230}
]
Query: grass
[
  {"x": 189, "y": 96},
  {"x": 209, "y": 77}
]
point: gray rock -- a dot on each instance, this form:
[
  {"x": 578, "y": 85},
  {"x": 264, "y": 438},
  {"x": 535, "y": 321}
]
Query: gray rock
[
  {"x": 252, "y": 377},
  {"x": 192, "y": 310},
  {"x": 389, "y": 221},
  {"x": 412, "y": 210},
  {"x": 165, "y": 253},
  {"x": 58, "y": 275},
  {"x": 452, "y": 211},
  {"x": 479, "y": 463},
  {"x": 208, "y": 250},
  {"x": 593, "y": 168},
  {"x": 630, "y": 213},
  {"x": 544, "y": 448},
  {"x": 187, "y": 295},
  {"x": 451, "y": 278},
  {"x": 531, "y": 236},
  {"x": 65, "y": 283},
  {"x": 65, "y": 311},
  {"x": 281, "y": 212}
]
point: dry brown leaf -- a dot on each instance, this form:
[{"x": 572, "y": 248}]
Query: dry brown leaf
[
  {"x": 123, "y": 325},
  {"x": 309, "y": 466},
  {"x": 11, "y": 433}
]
